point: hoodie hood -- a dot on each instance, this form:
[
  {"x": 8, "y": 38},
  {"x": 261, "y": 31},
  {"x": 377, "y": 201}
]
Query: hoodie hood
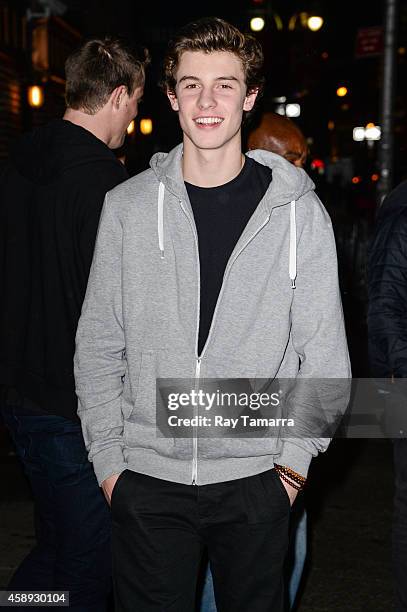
[
  {"x": 288, "y": 185},
  {"x": 289, "y": 182},
  {"x": 44, "y": 154}
]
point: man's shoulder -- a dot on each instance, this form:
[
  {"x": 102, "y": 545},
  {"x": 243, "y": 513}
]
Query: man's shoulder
[
  {"x": 108, "y": 172},
  {"x": 311, "y": 212},
  {"x": 138, "y": 187}
]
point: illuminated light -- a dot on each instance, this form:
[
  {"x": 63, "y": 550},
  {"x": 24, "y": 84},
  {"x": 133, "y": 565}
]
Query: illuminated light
[
  {"x": 35, "y": 96},
  {"x": 341, "y": 91},
  {"x": 370, "y": 125},
  {"x": 315, "y": 23},
  {"x": 345, "y": 107},
  {"x": 146, "y": 126},
  {"x": 278, "y": 21},
  {"x": 401, "y": 50},
  {"x": 14, "y": 98},
  {"x": 358, "y": 134},
  {"x": 280, "y": 99},
  {"x": 293, "y": 110},
  {"x": 356, "y": 180},
  {"x": 331, "y": 125},
  {"x": 131, "y": 127},
  {"x": 280, "y": 109},
  {"x": 325, "y": 55},
  {"x": 257, "y": 24},
  {"x": 375, "y": 177},
  {"x": 373, "y": 132},
  {"x": 318, "y": 165}
]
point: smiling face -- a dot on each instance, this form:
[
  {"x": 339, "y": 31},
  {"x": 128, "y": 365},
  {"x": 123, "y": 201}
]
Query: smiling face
[{"x": 210, "y": 97}]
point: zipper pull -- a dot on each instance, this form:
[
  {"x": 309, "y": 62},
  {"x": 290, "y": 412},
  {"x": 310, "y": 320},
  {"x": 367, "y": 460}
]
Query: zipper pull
[{"x": 198, "y": 367}]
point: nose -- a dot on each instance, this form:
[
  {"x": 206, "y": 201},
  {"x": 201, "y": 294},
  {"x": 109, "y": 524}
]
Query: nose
[{"x": 206, "y": 98}]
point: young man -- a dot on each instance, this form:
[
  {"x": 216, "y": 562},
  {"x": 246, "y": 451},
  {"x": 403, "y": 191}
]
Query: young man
[
  {"x": 194, "y": 276},
  {"x": 52, "y": 193}
]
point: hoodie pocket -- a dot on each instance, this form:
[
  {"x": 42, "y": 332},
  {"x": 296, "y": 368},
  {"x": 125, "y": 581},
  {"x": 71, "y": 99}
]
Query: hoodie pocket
[
  {"x": 238, "y": 448},
  {"x": 144, "y": 395}
]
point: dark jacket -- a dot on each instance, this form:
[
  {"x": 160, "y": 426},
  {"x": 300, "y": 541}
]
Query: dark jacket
[
  {"x": 387, "y": 314},
  {"x": 51, "y": 196}
]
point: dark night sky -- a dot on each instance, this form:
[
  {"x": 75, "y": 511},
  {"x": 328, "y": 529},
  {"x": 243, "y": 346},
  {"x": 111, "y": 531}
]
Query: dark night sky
[{"x": 129, "y": 16}]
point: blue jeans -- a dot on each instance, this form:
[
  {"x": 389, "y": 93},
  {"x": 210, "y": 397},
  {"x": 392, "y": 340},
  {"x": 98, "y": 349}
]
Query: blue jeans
[
  {"x": 297, "y": 553},
  {"x": 72, "y": 518}
]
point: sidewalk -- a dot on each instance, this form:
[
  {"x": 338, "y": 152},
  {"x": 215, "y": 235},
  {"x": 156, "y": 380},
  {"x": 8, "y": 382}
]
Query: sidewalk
[{"x": 350, "y": 504}]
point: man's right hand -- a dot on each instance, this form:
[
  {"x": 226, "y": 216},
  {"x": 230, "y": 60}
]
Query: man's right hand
[{"x": 108, "y": 485}]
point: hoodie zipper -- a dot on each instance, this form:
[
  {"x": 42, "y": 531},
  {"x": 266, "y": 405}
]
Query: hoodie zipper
[
  {"x": 194, "y": 475},
  {"x": 199, "y": 357},
  {"x": 227, "y": 271},
  {"x": 195, "y": 434}
]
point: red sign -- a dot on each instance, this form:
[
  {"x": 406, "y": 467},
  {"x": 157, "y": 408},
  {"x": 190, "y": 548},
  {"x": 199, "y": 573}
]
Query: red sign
[{"x": 369, "y": 42}]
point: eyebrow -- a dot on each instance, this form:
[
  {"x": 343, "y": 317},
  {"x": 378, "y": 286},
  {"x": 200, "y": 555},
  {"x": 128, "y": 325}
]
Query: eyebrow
[{"x": 195, "y": 78}]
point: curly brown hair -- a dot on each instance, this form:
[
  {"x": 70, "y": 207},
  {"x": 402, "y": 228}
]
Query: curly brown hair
[{"x": 213, "y": 34}]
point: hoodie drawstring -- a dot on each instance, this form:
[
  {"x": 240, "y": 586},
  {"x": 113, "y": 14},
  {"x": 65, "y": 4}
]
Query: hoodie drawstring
[
  {"x": 292, "y": 266},
  {"x": 160, "y": 220},
  {"x": 293, "y": 233}
]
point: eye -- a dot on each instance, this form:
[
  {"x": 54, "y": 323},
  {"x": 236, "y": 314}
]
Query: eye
[
  {"x": 191, "y": 86},
  {"x": 225, "y": 86}
]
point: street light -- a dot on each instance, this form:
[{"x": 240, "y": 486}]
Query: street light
[
  {"x": 257, "y": 24},
  {"x": 146, "y": 126},
  {"x": 373, "y": 132},
  {"x": 358, "y": 134},
  {"x": 315, "y": 23},
  {"x": 35, "y": 96},
  {"x": 301, "y": 19},
  {"x": 293, "y": 110},
  {"x": 341, "y": 91},
  {"x": 369, "y": 133}
]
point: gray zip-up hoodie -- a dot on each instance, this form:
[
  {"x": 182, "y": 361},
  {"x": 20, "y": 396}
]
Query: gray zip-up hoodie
[{"x": 278, "y": 314}]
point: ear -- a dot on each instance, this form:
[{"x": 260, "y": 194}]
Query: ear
[
  {"x": 118, "y": 95},
  {"x": 172, "y": 96},
  {"x": 250, "y": 99}
]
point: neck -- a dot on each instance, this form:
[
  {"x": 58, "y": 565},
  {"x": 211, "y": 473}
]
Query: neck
[
  {"x": 92, "y": 123},
  {"x": 211, "y": 167}
]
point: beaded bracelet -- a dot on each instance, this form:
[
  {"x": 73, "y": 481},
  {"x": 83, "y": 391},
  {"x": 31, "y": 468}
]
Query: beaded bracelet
[
  {"x": 291, "y": 483},
  {"x": 289, "y": 472},
  {"x": 291, "y": 479},
  {"x": 282, "y": 470}
]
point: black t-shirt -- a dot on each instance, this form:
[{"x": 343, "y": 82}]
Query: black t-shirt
[{"x": 221, "y": 214}]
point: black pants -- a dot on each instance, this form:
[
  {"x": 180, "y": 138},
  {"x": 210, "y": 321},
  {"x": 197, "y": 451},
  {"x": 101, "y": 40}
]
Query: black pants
[
  {"x": 399, "y": 547},
  {"x": 160, "y": 530}
]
